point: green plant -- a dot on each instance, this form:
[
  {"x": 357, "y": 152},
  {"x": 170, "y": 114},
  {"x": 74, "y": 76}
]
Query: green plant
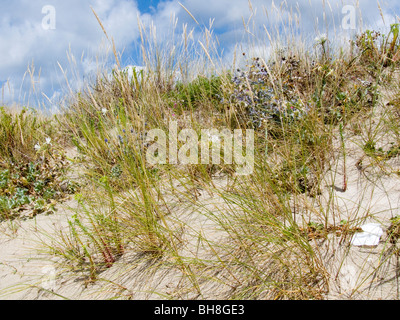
[
  {"x": 199, "y": 92},
  {"x": 33, "y": 186},
  {"x": 379, "y": 49},
  {"x": 272, "y": 225},
  {"x": 20, "y": 131},
  {"x": 393, "y": 231}
]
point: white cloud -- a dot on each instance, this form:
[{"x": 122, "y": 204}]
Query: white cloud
[{"x": 121, "y": 21}]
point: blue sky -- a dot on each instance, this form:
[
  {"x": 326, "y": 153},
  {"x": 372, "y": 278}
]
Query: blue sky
[
  {"x": 35, "y": 44},
  {"x": 147, "y": 6}
]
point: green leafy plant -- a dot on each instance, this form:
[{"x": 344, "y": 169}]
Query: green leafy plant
[{"x": 197, "y": 93}]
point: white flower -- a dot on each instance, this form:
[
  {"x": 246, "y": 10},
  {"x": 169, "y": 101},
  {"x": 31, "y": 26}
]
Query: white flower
[
  {"x": 37, "y": 146},
  {"x": 48, "y": 140},
  {"x": 322, "y": 38},
  {"x": 104, "y": 111}
]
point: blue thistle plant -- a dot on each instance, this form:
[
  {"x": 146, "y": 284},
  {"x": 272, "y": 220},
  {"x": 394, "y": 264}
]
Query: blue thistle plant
[{"x": 253, "y": 91}]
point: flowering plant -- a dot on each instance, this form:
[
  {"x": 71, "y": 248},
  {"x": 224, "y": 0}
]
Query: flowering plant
[{"x": 256, "y": 91}]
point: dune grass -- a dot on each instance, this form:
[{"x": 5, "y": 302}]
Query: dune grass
[{"x": 302, "y": 106}]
